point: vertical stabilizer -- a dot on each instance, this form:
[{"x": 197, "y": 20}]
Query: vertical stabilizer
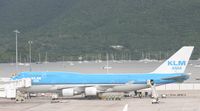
[{"x": 177, "y": 62}]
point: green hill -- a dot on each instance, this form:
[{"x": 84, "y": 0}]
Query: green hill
[{"x": 73, "y": 28}]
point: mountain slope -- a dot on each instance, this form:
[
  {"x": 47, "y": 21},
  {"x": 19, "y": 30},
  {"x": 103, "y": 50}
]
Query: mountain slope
[{"x": 88, "y": 28}]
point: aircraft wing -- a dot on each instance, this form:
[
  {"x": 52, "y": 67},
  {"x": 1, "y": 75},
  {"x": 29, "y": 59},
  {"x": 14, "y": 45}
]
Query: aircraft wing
[
  {"x": 99, "y": 87},
  {"x": 102, "y": 87}
]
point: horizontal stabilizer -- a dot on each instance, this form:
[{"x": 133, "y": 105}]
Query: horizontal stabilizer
[{"x": 177, "y": 78}]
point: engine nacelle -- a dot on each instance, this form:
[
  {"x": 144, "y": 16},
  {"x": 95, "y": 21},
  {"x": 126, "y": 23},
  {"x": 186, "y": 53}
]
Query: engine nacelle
[
  {"x": 68, "y": 92},
  {"x": 91, "y": 91}
]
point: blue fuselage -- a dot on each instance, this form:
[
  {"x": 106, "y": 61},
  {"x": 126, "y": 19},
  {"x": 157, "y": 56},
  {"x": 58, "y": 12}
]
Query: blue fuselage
[{"x": 54, "y": 78}]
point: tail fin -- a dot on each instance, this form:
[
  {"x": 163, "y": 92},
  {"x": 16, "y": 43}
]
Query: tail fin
[{"x": 177, "y": 62}]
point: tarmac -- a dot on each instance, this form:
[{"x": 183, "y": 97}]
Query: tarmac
[
  {"x": 135, "y": 104},
  {"x": 188, "y": 101}
]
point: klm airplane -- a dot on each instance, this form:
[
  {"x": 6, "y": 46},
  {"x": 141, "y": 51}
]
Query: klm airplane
[{"x": 70, "y": 83}]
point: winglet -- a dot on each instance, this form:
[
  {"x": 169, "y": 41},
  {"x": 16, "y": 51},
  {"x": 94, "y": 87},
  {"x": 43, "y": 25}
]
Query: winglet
[
  {"x": 125, "y": 107},
  {"x": 177, "y": 62}
]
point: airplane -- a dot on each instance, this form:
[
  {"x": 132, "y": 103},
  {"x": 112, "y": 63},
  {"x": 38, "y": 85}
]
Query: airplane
[{"x": 72, "y": 83}]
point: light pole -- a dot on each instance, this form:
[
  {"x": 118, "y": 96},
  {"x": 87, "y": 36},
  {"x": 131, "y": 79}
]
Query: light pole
[
  {"x": 30, "y": 43},
  {"x": 16, "y": 65}
]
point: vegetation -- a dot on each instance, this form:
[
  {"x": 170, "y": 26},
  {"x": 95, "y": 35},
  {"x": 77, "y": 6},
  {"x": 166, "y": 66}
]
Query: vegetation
[{"x": 68, "y": 29}]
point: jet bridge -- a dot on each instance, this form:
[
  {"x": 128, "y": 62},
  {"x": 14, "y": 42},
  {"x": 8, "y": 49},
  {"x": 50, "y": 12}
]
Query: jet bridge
[{"x": 8, "y": 87}]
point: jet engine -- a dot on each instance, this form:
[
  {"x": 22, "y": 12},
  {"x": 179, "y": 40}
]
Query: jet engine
[
  {"x": 70, "y": 92},
  {"x": 91, "y": 91}
]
